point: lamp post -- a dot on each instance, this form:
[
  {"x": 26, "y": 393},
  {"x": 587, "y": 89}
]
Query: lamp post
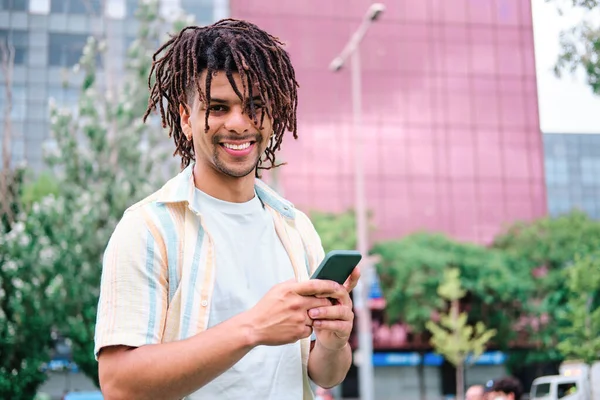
[{"x": 365, "y": 337}]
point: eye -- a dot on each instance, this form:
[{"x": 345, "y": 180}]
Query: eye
[
  {"x": 218, "y": 108},
  {"x": 258, "y": 107}
]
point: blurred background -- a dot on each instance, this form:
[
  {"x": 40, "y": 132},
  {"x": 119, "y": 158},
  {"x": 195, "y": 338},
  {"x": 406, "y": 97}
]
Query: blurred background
[{"x": 460, "y": 148}]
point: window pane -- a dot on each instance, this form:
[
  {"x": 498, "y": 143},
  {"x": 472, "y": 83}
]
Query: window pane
[
  {"x": 76, "y": 6},
  {"x": 84, "y": 6},
  {"x": 130, "y": 7},
  {"x": 65, "y": 49},
  {"x": 566, "y": 389},
  {"x": 19, "y": 40},
  {"x": 14, "y": 5},
  {"x": 19, "y": 101},
  {"x": 58, "y": 6}
]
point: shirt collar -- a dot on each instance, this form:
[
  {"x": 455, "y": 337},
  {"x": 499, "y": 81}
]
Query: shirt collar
[{"x": 181, "y": 189}]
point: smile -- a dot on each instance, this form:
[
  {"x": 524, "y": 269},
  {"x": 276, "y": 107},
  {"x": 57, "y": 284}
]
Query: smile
[
  {"x": 239, "y": 149},
  {"x": 237, "y": 146}
]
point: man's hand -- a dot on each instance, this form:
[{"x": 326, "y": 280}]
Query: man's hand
[
  {"x": 333, "y": 322},
  {"x": 352, "y": 280},
  {"x": 281, "y": 316}
]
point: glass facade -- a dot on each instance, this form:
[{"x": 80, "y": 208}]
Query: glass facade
[
  {"x": 48, "y": 37},
  {"x": 450, "y": 112},
  {"x": 14, "y": 5},
  {"x": 65, "y": 49},
  {"x": 573, "y": 173},
  {"x": 75, "y": 6}
]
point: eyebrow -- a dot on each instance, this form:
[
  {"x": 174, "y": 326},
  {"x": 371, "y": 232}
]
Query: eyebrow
[{"x": 222, "y": 101}]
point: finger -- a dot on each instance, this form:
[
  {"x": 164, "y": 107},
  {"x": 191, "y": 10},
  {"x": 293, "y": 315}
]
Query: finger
[
  {"x": 309, "y": 302},
  {"x": 341, "y": 328},
  {"x": 318, "y": 287},
  {"x": 352, "y": 280},
  {"x": 331, "y": 313},
  {"x": 308, "y": 321},
  {"x": 341, "y": 297},
  {"x": 307, "y": 332}
]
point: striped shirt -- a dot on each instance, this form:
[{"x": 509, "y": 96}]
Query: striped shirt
[{"x": 159, "y": 267}]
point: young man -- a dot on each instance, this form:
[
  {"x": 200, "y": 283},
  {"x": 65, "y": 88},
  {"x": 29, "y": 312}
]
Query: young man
[{"x": 205, "y": 290}]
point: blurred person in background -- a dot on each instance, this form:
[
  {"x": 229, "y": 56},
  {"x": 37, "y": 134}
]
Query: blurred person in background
[
  {"x": 508, "y": 388},
  {"x": 475, "y": 392},
  {"x": 205, "y": 286}
]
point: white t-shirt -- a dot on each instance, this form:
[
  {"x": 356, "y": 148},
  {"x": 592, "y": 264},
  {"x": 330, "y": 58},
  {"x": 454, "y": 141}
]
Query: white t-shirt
[{"x": 250, "y": 260}]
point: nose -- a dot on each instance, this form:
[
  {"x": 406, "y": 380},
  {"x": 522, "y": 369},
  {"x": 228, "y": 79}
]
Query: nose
[{"x": 237, "y": 121}]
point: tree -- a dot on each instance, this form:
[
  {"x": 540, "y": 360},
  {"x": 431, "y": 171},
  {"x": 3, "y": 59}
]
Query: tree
[
  {"x": 580, "y": 45},
  {"x": 581, "y": 316},
  {"x": 337, "y": 231},
  {"x": 29, "y": 284},
  {"x": 26, "y": 279},
  {"x": 453, "y": 337},
  {"x": 7, "y": 200},
  {"x": 546, "y": 247},
  {"x": 410, "y": 271},
  {"x": 33, "y": 191},
  {"x": 105, "y": 159}
]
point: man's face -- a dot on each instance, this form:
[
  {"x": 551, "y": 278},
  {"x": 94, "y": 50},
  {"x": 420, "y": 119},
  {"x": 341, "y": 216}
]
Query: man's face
[
  {"x": 474, "y": 393},
  {"x": 233, "y": 144}
]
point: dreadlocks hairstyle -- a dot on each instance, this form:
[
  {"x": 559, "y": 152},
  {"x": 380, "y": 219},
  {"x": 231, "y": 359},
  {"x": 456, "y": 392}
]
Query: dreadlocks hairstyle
[{"x": 229, "y": 45}]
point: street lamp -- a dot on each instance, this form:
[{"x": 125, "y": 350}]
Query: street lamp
[{"x": 363, "y": 313}]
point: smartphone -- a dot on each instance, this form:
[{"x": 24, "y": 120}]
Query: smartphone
[{"x": 337, "y": 265}]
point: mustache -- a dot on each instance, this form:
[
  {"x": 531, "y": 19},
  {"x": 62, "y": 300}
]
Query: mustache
[{"x": 218, "y": 138}]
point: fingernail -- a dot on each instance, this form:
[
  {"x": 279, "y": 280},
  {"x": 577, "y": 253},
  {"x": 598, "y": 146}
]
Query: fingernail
[{"x": 313, "y": 313}]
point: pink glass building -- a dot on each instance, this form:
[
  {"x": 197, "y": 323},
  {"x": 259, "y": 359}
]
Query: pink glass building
[{"x": 451, "y": 123}]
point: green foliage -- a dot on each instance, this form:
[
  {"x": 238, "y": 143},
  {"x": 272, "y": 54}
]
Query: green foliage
[
  {"x": 104, "y": 160},
  {"x": 411, "y": 270},
  {"x": 547, "y": 246},
  {"x": 28, "y": 298},
  {"x": 14, "y": 181},
  {"x": 44, "y": 185},
  {"x": 337, "y": 231},
  {"x": 581, "y": 315},
  {"x": 453, "y": 337},
  {"x": 580, "y": 45}
]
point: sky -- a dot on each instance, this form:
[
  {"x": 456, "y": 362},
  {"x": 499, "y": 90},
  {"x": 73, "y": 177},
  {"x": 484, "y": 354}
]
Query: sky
[{"x": 567, "y": 104}]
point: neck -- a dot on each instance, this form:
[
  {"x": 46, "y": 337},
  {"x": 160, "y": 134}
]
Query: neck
[{"x": 223, "y": 187}]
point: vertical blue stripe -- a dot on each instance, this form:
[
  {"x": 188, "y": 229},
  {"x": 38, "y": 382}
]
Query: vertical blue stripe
[
  {"x": 151, "y": 287},
  {"x": 187, "y": 314},
  {"x": 306, "y": 262},
  {"x": 171, "y": 241}
]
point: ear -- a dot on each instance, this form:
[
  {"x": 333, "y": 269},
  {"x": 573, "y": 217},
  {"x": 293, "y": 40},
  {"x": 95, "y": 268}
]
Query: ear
[{"x": 186, "y": 123}]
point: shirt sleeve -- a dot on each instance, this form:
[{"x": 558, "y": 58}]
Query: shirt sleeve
[{"x": 133, "y": 290}]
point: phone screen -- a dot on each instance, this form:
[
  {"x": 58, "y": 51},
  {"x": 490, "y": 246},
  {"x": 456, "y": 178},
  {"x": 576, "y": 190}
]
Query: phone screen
[{"x": 338, "y": 265}]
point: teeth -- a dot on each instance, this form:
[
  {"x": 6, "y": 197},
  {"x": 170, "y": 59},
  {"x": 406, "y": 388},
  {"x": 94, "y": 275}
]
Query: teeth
[{"x": 237, "y": 146}]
